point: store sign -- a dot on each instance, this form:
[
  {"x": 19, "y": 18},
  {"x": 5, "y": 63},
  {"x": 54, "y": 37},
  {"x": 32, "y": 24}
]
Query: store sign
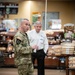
[
  {"x": 8, "y": 8},
  {"x": 54, "y": 24},
  {"x": 36, "y": 16},
  {"x": 2, "y": 9},
  {"x": 9, "y": 24}
]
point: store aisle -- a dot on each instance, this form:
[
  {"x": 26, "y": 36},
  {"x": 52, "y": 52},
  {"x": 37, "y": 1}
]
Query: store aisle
[{"x": 13, "y": 71}]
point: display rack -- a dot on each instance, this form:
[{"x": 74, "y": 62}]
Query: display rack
[{"x": 6, "y": 46}]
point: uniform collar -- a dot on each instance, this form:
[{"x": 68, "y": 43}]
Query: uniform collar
[{"x": 23, "y": 33}]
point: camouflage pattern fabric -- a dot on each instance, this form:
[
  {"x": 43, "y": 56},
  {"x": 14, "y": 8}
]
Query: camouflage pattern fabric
[
  {"x": 22, "y": 52},
  {"x": 25, "y": 69}
]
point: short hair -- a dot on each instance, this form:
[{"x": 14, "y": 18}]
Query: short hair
[
  {"x": 24, "y": 19},
  {"x": 37, "y": 22}
]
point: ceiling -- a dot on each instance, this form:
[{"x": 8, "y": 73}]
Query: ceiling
[{"x": 30, "y": 0}]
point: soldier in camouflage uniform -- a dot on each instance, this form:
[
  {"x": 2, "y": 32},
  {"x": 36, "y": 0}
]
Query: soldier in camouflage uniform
[{"x": 23, "y": 50}]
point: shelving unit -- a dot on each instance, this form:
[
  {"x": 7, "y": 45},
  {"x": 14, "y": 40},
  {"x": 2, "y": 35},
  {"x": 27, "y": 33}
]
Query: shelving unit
[
  {"x": 61, "y": 60},
  {"x": 6, "y": 47},
  {"x": 52, "y": 61}
]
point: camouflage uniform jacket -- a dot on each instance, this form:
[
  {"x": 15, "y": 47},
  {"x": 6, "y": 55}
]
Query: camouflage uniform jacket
[{"x": 22, "y": 49}]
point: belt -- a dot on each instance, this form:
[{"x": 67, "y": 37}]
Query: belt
[{"x": 39, "y": 50}]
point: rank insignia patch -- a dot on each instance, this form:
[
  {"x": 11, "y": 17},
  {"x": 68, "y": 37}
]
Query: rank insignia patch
[{"x": 18, "y": 41}]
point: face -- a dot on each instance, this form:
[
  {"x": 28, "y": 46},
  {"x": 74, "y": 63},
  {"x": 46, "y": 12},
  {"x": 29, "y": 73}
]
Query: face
[
  {"x": 26, "y": 26},
  {"x": 38, "y": 28}
]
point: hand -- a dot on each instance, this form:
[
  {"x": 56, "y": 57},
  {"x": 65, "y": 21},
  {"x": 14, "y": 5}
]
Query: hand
[{"x": 35, "y": 47}]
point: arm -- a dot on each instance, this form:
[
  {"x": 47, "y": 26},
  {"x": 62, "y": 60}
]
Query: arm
[{"x": 20, "y": 48}]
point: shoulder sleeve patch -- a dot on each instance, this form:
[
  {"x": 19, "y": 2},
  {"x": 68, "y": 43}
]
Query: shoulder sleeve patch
[{"x": 18, "y": 40}]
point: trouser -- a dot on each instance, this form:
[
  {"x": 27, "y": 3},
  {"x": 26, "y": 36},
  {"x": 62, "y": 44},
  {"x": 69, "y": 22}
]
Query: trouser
[
  {"x": 39, "y": 55},
  {"x": 25, "y": 69}
]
